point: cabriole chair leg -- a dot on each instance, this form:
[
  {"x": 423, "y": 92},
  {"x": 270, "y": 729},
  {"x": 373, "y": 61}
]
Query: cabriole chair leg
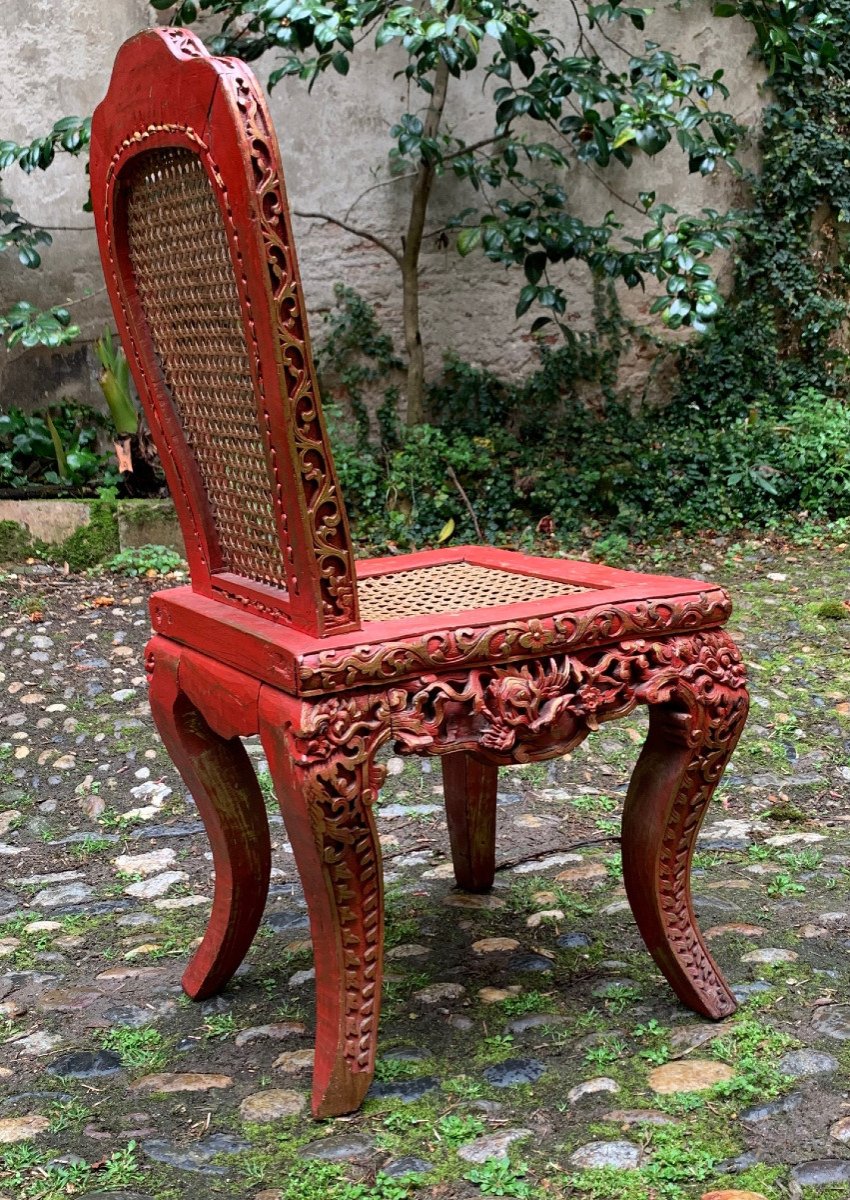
[
  {"x": 326, "y": 801},
  {"x": 689, "y": 743},
  {"x": 218, "y": 773}
]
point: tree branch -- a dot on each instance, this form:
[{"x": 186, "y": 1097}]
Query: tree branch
[
  {"x": 583, "y": 39},
  {"x": 82, "y": 299},
  {"x": 453, "y": 477},
  {"x": 394, "y": 254},
  {"x": 470, "y": 149},
  {"x": 599, "y": 178},
  {"x": 412, "y": 248}
]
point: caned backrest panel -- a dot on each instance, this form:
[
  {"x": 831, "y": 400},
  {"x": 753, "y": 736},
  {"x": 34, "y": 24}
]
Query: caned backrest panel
[
  {"x": 183, "y": 272},
  {"x": 197, "y": 247}
]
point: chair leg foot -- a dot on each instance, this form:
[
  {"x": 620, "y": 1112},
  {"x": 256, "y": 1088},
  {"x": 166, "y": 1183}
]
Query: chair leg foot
[
  {"x": 691, "y": 738},
  {"x": 469, "y": 786},
  {"x": 321, "y": 757},
  {"x": 218, "y": 773}
]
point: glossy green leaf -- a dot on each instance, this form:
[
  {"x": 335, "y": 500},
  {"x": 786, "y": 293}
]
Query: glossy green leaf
[{"x": 468, "y": 240}]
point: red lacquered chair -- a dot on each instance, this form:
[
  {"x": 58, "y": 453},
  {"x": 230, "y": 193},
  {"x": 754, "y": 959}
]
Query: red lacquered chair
[{"x": 484, "y": 656}]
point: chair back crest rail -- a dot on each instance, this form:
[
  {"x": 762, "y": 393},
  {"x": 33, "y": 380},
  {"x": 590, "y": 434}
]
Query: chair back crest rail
[{"x": 197, "y": 248}]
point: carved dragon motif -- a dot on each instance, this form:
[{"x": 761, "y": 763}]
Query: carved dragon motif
[{"x": 528, "y": 710}]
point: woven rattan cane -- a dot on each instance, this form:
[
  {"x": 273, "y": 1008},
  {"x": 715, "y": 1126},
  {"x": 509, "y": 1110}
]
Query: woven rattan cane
[
  {"x": 450, "y": 587},
  {"x": 184, "y": 275}
]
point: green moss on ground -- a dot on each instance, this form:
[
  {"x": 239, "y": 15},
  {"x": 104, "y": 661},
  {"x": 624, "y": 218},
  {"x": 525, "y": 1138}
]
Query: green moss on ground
[
  {"x": 87, "y": 547},
  {"x": 93, "y": 543},
  {"x": 15, "y": 542},
  {"x": 833, "y": 610}
]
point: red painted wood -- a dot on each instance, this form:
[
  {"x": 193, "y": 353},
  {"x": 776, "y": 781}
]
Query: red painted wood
[
  {"x": 469, "y": 787},
  {"x": 480, "y": 688},
  {"x": 593, "y": 575},
  {"x": 326, "y": 791},
  {"x": 228, "y": 698},
  {"x": 289, "y": 659},
  {"x": 221, "y": 779},
  {"x": 691, "y": 738},
  {"x": 166, "y": 91}
]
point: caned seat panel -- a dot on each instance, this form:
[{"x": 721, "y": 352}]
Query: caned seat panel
[
  {"x": 184, "y": 275},
  {"x": 451, "y": 587}
]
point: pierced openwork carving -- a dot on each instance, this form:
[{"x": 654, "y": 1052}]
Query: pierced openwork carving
[
  {"x": 695, "y": 686},
  {"x": 326, "y": 516},
  {"x": 183, "y": 44},
  {"x": 537, "y": 708}
]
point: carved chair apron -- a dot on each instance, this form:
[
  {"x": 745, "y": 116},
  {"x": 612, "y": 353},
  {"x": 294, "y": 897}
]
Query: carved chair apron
[{"x": 485, "y": 657}]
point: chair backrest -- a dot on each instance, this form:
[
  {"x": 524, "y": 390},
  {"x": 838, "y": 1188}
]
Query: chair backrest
[{"x": 196, "y": 242}]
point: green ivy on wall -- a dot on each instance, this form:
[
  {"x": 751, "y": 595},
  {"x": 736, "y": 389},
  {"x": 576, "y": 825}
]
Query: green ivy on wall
[
  {"x": 759, "y": 426},
  {"x": 786, "y": 327}
]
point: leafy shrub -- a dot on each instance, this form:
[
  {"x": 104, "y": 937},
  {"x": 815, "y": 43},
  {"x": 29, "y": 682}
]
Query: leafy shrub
[
  {"x": 58, "y": 447},
  {"x": 145, "y": 560},
  {"x": 531, "y": 456},
  {"x": 817, "y": 452}
]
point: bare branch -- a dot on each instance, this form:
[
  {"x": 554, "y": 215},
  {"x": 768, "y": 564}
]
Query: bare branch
[
  {"x": 608, "y": 38},
  {"x": 420, "y": 195},
  {"x": 473, "y": 146},
  {"x": 82, "y": 299},
  {"x": 453, "y": 477},
  {"x": 629, "y": 203},
  {"x": 584, "y": 40},
  {"x": 470, "y": 149},
  {"x": 394, "y": 254},
  {"x": 374, "y": 187},
  {"x": 599, "y": 178}
]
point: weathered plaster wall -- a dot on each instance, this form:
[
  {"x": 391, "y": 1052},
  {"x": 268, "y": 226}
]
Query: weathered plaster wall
[
  {"x": 57, "y": 56},
  {"x": 335, "y": 143}
]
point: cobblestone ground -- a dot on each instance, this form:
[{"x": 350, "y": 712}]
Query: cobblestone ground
[{"x": 529, "y": 1046}]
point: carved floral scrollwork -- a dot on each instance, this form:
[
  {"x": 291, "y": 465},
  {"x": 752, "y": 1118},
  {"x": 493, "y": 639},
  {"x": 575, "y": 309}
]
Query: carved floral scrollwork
[
  {"x": 532, "y": 709},
  {"x": 334, "y": 750},
  {"x": 370, "y": 665},
  {"x": 322, "y": 500},
  {"x": 699, "y": 700},
  {"x": 528, "y": 709},
  {"x": 695, "y": 685}
]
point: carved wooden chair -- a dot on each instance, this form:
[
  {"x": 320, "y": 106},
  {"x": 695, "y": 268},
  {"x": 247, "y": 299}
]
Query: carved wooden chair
[{"x": 486, "y": 657}]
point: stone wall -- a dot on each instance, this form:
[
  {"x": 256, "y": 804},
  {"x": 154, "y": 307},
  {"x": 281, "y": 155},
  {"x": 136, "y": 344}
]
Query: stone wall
[{"x": 335, "y": 143}]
